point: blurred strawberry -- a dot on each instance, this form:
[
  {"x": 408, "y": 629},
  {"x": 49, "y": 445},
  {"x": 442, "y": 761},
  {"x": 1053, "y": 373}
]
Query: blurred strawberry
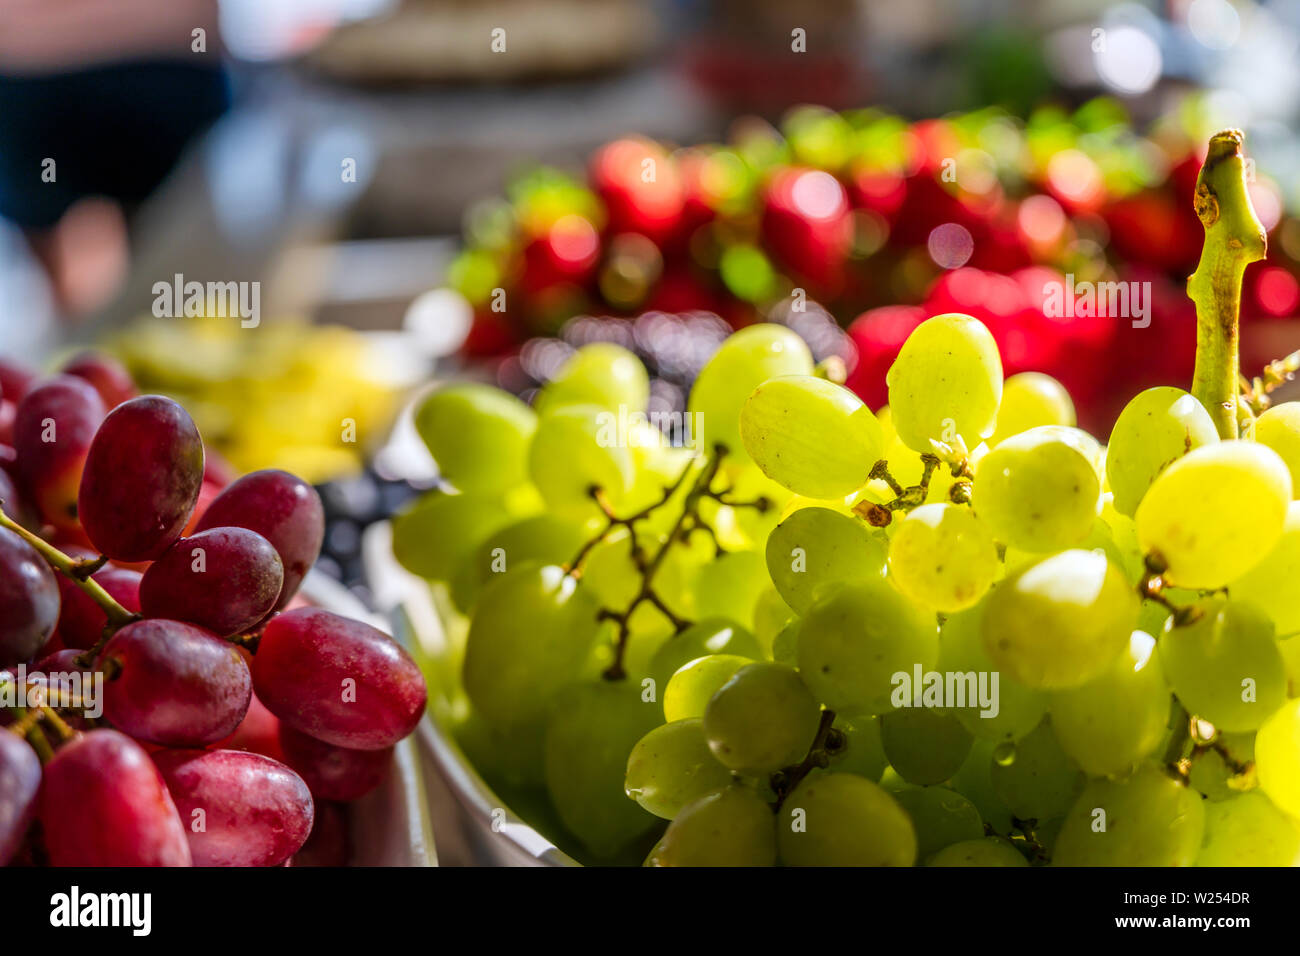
[
  {"x": 640, "y": 186},
  {"x": 807, "y": 229}
]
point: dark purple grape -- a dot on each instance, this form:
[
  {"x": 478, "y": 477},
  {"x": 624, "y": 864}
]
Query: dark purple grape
[
  {"x": 103, "y": 803},
  {"x": 280, "y": 507},
  {"x": 338, "y": 680},
  {"x": 334, "y": 773},
  {"x": 239, "y": 808},
  {"x": 222, "y": 579},
  {"x": 53, "y": 430},
  {"x": 141, "y": 479},
  {"x": 20, "y": 782},
  {"x": 174, "y": 684},
  {"x": 29, "y": 600},
  {"x": 81, "y": 621},
  {"x": 106, "y": 374}
]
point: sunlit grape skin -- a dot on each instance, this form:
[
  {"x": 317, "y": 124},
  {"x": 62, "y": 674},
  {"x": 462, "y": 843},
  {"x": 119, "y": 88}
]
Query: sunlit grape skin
[
  {"x": 1249, "y": 830},
  {"x": 1157, "y": 427},
  {"x": 815, "y": 549},
  {"x": 338, "y": 680},
  {"x": 730, "y": 827},
  {"x": 1030, "y": 399},
  {"x": 1279, "y": 428},
  {"x": 29, "y": 597},
  {"x": 1277, "y": 757},
  {"x": 1060, "y": 622},
  {"x": 1215, "y": 513},
  {"x": 20, "y": 782},
  {"x": 104, "y": 803},
  {"x": 943, "y": 557},
  {"x": 946, "y": 381},
  {"x": 334, "y": 773},
  {"x": 1273, "y": 585},
  {"x": 810, "y": 435},
  {"x": 255, "y": 811},
  {"x": 672, "y": 766},
  {"x": 478, "y": 435},
  {"x": 221, "y": 579},
  {"x": 54, "y": 428},
  {"x": 173, "y": 683},
  {"x": 284, "y": 510},
  {"x": 141, "y": 479},
  {"x": 602, "y": 374},
  {"x": 762, "y": 719}
]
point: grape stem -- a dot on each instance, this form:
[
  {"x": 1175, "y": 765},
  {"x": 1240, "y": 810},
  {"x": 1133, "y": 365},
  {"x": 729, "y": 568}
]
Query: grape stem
[
  {"x": 1234, "y": 238},
  {"x": 1176, "y": 753},
  {"x": 1152, "y": 588},
  {"x": 905, "y": 499},
  {"x": 783, "y": 782},
  {"x": 1255, "y": 392},
  {"x": 79, "y": 572}
]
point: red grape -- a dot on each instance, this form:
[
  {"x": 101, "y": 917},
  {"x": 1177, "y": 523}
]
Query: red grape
[
  {"x": 81, "y": 621},
  {"x": 174, "y": 684},
  {"x": 20, "y": 782},
  {"x": 280, "y": 507},
  {"x": 106, "y": 374},
  {"x": 334, "y": 773},
  {"x": 53, "y": 431},
  {"x": 258, "y": 732},
  {"x": 29, "y": 600},
  {"x": 15, "y": 379},
  {"x": 103, "y": 803},
  {"x": 339, "y": 680},
  {"x": 222, "y": 579},
  {"x": 142, "y": 479},
  {"x": 239, "y": 808}
]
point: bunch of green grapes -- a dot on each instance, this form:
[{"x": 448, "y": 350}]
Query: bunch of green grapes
[{"x": 955, "y": 631}]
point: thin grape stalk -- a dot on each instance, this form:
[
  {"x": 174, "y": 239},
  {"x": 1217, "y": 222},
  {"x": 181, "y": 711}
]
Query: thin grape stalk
[
  {"x": 1255, "y": 392},
  {"x": 688, "y": 521},
  {"x": 913, "y": 496}
]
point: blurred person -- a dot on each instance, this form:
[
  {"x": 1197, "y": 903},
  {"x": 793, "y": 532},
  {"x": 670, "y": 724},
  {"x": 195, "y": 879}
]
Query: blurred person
[{"x": 98, "y": 100}]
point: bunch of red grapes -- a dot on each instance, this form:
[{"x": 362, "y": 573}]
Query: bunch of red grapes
[
  {"x": 881, "y": 222},
  {"x": 233, "y": 719}
]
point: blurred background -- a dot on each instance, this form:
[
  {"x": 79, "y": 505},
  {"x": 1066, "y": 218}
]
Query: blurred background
[{"x": 408, "y": 189}]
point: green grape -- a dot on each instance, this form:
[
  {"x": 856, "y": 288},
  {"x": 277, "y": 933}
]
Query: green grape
[
  {"x": 512, "y": 671},
  {"x": 1038, "y": 780},
  {"x": 1279, "y": 429},
  {"x": 478, "y": 435},
  {"x": 974, "y": 781},
  {"x": 1225, "y": 666},
  {"x": 984, "y": 851},
  {"x": 541, "y": 539},
  {"x": 943, "y": 558},
  {"x": 732, "y": 827},
  {"x": 1110, "y": 723},
  {"x": 924, "y": 745},
  {"x": 1061, "y": 622},
  {"x": 1290, "y": 649},
  {"x": 729, "y": 587},
  {"x": 1248, "y": 830},
  {"x": 814, "y": 550},
  {"x": 811, "y": 436},
  {"x": 690, "y": 688},
  {"x": 591, "y": 730},
  {"x": 1214, "y": 513},
  {"x": 853, "y": 642},
  {"x": 1008, "y": 710},
  {"x": 785, "y": 646},
  {"x": 771, "y": 614},
  {"x": 701, "y": 639},
  {"x": 1038, "y": 491},
  {"x": 1273, "y": 585},
  {"x": 1147, "y": 819},
  {"x": 941, "y": 817},
  {"x": 439, "y": 533},
  {"x": 745, "y": 361},
  {"x": 1124, "y": 539},
  {"x": 1030, "y": 399},
  {"x": 510, "y": 756},
  {"x": 762, "y": 719},
  {"x": 602, "y": 374},
  {"x": 1277, "y": 757},
  {"x": 839, "y": 819},
  {"x": 1099, "y": 538},
  {"x": 863, "y": 752},
  {"x": 1154, "y": 430},
  {"x": 672, "y": 766},
  {"x": 946, "y": 381},
  {"x": 570, "y": 455},
  {"x": 1214, "y": 772}
]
